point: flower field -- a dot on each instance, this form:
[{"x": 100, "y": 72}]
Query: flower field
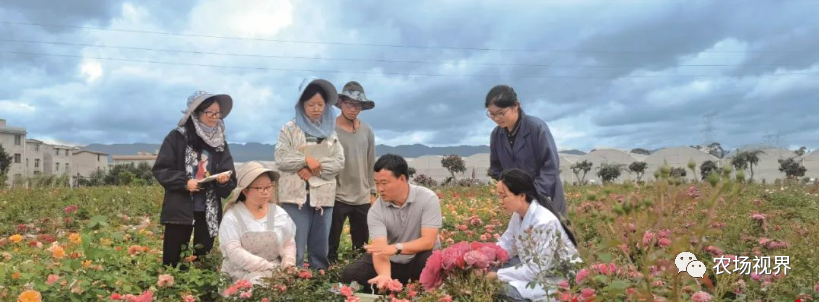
[{"x": 104, "y": 244}]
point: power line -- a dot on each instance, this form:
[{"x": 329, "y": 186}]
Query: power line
[
  {"x": 372, "y": 44},
  {"x": 364, "y": 60},
  {"x": 382, "y": 73}
]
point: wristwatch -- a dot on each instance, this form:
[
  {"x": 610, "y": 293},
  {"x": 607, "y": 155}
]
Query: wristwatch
[{"x": 398, "y": 247}]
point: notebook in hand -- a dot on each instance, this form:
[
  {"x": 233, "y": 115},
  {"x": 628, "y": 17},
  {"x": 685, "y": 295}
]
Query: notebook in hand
[{"x": 213, "y": 177}]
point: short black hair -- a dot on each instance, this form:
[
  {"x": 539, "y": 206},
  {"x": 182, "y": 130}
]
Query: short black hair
[
  {"x": 520, "y": 182},
  {"x": 394, "y": 163},
  {"x": 310, "y": 92},
  {"x": 502, "y": 96}
]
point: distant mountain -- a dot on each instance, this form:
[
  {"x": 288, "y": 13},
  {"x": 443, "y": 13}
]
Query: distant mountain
[
  {"x": 418, "y": 150},
  {"x": 573, "y": 152},
  {"x": 264, "y": 152}
]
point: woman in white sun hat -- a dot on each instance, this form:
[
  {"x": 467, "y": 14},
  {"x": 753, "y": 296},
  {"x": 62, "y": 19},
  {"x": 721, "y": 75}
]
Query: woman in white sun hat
[{"x": 256, "y": 236}]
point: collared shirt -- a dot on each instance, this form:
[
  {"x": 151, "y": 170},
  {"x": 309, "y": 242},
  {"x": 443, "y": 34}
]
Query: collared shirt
[
  {"x": 403, "y": 224},
  {"x": 512, "y": 135}
]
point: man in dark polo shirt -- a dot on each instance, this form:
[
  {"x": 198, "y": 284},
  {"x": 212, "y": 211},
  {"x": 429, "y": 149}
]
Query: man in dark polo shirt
[{"x": 403, "y": 225}]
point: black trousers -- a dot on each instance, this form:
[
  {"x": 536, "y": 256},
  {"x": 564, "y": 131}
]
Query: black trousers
[
  {"x": 358, "y": 227},
  {"x": 362, "y": 270},
  {"x": 178, "y": 237}
]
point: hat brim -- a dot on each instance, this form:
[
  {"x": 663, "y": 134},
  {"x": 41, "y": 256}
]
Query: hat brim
[
  {"x": 332, "y": 93},
  {"x": 366, "y": 104},
  {"x": 225, "y": 106},
  {"x": 252, "y": 176}
]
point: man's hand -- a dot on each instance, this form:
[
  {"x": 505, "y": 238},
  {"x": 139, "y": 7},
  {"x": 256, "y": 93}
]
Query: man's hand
[
  {"x": 193, "y": 185},
  {"x": 373, "y": 198},
  {"x": 381, "y": 250},
  {"x": 305, "y": 173},
  {"x": 380, "y": 281}
]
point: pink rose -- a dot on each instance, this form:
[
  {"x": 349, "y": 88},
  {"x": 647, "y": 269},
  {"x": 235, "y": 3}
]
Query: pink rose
[
  {"x": 582, "y": 274},
  {"x": 165, "y": 281},
  {"x": 52, "y": 278},
  {"x": 476, "y": 259},
  {"x": 701, "y": 297},
  {"x": 353, "y": 299},
  {"x": 587, "y": 293},
  {"x": 563, "y": 284},
  {"x": 346, "y": 291},
  {"x": 395, "y": 285},
  {"x": 448, "y": 298},
  {"x": 431, "y": 275},
  {"x": 648, "y": 238}
]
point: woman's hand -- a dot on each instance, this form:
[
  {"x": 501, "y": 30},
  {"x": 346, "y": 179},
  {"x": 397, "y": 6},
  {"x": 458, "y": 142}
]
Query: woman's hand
[
  {"x": 313, "y": 164},
  {"x": 305, "y": 174},
  {"x": 223, "y": 178},
  {"x": 488, "y": 275},
  {"x": 193, "y": 185}
]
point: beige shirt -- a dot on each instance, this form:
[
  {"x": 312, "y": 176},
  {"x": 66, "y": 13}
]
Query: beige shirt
[{"x": 290, "y": 153}]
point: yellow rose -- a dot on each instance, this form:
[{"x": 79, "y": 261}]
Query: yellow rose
[
  {"x": 58, "y": 252},
  {"x": 30, "y": 296},
  {"x": 16, "y": 238},
  {"x": 75, "y": 238}
]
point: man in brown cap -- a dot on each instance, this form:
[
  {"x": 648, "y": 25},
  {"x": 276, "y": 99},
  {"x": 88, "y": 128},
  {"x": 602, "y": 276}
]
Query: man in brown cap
[{"x": 356, "y": 189}]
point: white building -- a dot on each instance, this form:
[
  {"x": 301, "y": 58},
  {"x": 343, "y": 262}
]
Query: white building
[
  {"x": 86, "y": 162},
  {"x": 13, "y": 140},
  {"x": 34, "y": 157},
  {"x": 140, "y": 157}
]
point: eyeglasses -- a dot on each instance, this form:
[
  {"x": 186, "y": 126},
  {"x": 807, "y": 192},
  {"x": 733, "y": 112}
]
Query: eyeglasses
[
  {"x": 496, "y": 115},
  {"x": 352, "y": 105},
  {"x": 212, "y": 113},
  {"x": 315, "y": 106},
  {"x": 264, "y": 189}
]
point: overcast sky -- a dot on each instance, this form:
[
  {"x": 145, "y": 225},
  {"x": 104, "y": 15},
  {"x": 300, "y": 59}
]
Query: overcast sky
[{"x": 601, "y": 73}]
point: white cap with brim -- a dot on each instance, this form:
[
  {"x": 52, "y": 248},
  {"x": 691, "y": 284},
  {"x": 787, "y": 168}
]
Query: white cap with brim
[{"x": 247, "y": 174}]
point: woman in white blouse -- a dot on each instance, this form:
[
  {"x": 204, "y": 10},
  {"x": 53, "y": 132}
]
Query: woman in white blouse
[
  {"x": 533, "y": 220},
  {"x": 256, "y": 235}
]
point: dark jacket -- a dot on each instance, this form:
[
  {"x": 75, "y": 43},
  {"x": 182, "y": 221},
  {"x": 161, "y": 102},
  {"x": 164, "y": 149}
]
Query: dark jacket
[
  {"x": 534, "y": 152},
  {"x": 169, "y": 170}
]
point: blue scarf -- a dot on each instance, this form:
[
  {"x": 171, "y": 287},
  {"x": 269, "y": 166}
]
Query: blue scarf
[{"x": 322, "y": 128}]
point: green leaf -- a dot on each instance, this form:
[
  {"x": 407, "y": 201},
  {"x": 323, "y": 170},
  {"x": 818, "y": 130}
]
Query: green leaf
[
  {"x": 619, "y": 284},
  {"x": 604, "y": 257},
  {"x": 601, "y": 279}
]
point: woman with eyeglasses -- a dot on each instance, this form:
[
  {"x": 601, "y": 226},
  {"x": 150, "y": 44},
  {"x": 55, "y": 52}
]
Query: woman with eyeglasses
[
  {"x": 189, "y": 156},
  {"x": 523, "y": 141},
  {"x": 256, "y": 236},
  {"x": 310, "y": 157},
  {"x": 537, "y": 241}
]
